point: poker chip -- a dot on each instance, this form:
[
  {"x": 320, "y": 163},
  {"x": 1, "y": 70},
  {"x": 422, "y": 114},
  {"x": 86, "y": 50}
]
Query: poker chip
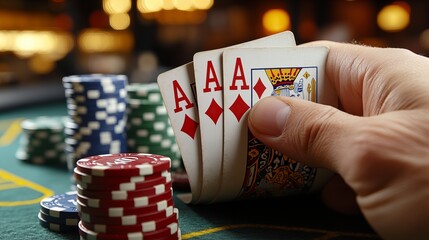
[
  {"x": 127, "y": 186},
  {"x": 61, "y": 205},
  {"x": 144, "y": 91},
  {"x": 124, "y": 211},
  {"x": 124, "y": 164},
  {"x": 128, "y": 219},
  {"x": 89, "y": 179},
  {"x": 42, "y": 141},
  {"x": 56, "y": 227},
  {"x": 148, "y": 126},
  {"x": 126, "y": 196},
  {"x": 96, "y": 106},
  {"x": 59, "y": 212},
  {"x": 180, "y": 180},
  {"x": 142, "y": 227},
  {"x": 123, "y": 195},
  {"x": 171, "y": 231},
  {"x": 130, "y": 203},
  {"x": 61, "y": 221}
]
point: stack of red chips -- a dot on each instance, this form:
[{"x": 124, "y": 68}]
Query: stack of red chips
[{"x": 126, "y": 196}]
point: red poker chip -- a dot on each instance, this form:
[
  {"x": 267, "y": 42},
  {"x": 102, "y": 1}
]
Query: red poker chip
[
  {"x": 89, "y": 179},
  {"x": 124, "y": 164},
  {"x": 180, "y": 181},
  {"x": 127, "y": 186},
  {"x": 131, "y": 203},
  {"x": 127, "y": 220},
  {"x": 124, "y": 195},
  {"x": 142, "y": 227},
  {"x": 121, "y": 211},
  {"x": 170, "y": 231}
]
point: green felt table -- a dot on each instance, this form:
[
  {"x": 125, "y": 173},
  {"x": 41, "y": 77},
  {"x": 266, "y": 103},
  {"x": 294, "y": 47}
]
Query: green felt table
[{"x": 22, "y": 186}]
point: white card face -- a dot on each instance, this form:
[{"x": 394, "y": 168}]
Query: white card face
[
  {"x": 177, "y": 89},
  {"x": 209, "y": 85},
  {"x": 251, "y": 168}
]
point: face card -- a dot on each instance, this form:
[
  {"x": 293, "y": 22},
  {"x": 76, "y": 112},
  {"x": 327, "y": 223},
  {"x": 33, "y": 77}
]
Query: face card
[
  {"x": 251, "y": 168},
  {"x": 178, "y": 92},
  {"x": 209, "y": 87}
]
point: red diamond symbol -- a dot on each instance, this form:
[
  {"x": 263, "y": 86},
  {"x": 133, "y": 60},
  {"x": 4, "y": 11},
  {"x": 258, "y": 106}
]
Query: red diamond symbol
[
  {"x": 259, "y": 88},
  {"x": 189, "y": 126},
  {"x": 214, "y": 111},
  {"x": 239, "y": 107}
]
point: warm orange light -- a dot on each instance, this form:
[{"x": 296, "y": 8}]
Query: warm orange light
[
  {"x": 116, "y": 6},
  {"x": 394, "y": 17},
  {"x": 424, "y": 39},
  {"x": 52, "y": 45},
  {"x": 41, "y": 65},
  {"x": 93, "y": 41},
  {"x": 119, "y": 21},
  {"x": 276, "y": 20},
  {"x": 203, "y": 4},
  {"x": 184, "y": 5},
  {"x": 147, "y": 6},
  {"x": 150, "y": 6}
]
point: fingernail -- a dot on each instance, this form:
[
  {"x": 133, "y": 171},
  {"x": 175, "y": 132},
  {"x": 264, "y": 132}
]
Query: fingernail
[{"x": 269, "y": 116}]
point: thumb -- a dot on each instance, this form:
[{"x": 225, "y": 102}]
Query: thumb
[{"x": 312, "y": 133}]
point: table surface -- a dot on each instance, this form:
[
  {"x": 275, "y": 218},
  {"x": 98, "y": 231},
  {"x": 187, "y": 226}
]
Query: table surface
[{"x": 22, "y": 186}]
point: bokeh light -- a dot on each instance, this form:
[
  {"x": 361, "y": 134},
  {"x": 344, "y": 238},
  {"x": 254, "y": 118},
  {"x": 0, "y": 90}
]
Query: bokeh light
[
  {"x": 24, "y": 44},
  {"x": 394, "y": 17},
  {"x": 119, "y": 21},
  {"x": 116, "y": 6},
  {"x": 147, "y": 6},
  {"x": 41, "y": 65},
  {"x": 95, "y": 41},
  {"x": 168, "y": 5},
  {"x": 276, "y": 20},
  {"x": 424, "y": 39},
  {"x": 184, "y": 5},
  {"x": 203, "y": 4}
]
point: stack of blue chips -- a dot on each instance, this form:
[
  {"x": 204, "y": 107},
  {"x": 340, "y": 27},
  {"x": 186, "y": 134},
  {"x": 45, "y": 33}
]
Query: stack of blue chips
[
  {"x": 59, "y": 213},
  {"x": 96, "y": 106}
]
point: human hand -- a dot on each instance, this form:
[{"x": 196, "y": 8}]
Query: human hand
[{"x": 377, "y": 141}]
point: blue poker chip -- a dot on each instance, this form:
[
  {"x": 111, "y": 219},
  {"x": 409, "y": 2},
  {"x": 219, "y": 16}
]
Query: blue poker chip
[
  {"x": 61, "y": 221},
  {"x": 107, "y": 104},
  {"x": 84, "y": 85},
  {"x": 56, "y": 227},
  {"x": 100, "y": 138},
  {"x": 94, "y": 95},
  {"x": 61, "y": 205},
  {"x": 94, "y": 78},
  {"x": 95, "y": 149},
  {"x": 96, "y": 105}
]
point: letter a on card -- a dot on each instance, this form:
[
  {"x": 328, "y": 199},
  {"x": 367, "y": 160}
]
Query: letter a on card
[
  {"x": 177, "y": 89},
  {"x": 210, "y": 89},
  {"x": 250, "y": 168}
]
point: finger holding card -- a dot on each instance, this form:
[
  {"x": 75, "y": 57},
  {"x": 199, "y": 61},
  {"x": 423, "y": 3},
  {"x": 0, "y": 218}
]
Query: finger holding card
[
  {"x": 177, "y": 89},
  {"x": 209, "y": 88},
  {"x": 251, "y": 168}
]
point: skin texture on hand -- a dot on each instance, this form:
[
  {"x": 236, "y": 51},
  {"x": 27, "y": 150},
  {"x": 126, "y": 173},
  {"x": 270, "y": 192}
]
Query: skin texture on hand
[{"x": 377, "y": 141}]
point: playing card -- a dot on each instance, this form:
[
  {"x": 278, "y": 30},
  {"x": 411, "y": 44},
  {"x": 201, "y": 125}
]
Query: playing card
[
  {"x": 250, "y": 169},
  {"x": 209, "y": 87},
  {"x": 178, "y": 92}
]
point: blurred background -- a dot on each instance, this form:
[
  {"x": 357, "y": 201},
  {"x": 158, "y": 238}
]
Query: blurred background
[{"x": 43, "y": 40}]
